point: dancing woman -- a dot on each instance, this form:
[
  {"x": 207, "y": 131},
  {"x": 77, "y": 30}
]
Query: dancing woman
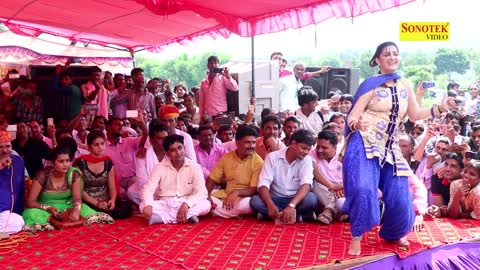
[{"x": 373, "y": 159}]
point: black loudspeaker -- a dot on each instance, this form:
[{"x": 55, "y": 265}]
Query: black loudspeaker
[
  {"x": 232, "y": 98},
  {"x": 343, "y": 79}
]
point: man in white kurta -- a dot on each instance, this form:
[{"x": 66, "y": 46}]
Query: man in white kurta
[
  {"x": 154, "y": 154},
  {"x": 289, "y": 86},
  {"x": 175, "y": 192}
]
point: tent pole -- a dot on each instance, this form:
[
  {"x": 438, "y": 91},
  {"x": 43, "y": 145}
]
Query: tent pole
[
  {"x": 132, "y": 53},
  {"x": 253, "y": 66}
]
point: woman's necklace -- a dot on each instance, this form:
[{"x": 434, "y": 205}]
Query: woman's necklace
[{"x": 54, "y": 181}]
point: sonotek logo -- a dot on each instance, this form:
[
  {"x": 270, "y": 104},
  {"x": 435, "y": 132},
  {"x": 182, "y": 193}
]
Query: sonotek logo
[{"x": 424, "y": 31}]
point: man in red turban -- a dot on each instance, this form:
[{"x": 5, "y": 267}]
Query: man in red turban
[
  {"x": 12, "y": 173},
  {"x": 168, "y": 117}
]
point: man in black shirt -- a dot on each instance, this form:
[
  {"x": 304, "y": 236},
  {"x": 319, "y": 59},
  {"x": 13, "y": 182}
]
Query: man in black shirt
[{"x": 33, "y": 151}]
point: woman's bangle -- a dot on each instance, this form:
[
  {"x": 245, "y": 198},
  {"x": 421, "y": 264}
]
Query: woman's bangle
[
  {"x": 44, "y": 206},
  {"x": 442, "y": 109},
  {"x": 77, "y": 205},
  {"x": 352, "y": 125},
  {"x": 436, "y": 111}
]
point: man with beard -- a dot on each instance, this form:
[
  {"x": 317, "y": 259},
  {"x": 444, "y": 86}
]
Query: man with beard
[
  {"x": 12, "y": 187},
  {"x": 139, "y": 98},
  {"x": 285, "y": 182},
  {"x": 271, "y": 127},
  {"x": 154, "y": 155},
  {"x": 291, "y": 125},
  {"x": 240, "y": 168},
  {"x": 122, "y": 151}
]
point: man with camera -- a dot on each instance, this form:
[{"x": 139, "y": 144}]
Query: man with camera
[{"x": 213, "y": 89}]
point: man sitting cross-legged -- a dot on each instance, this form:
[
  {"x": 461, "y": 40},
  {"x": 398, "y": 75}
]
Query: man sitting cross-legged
[
  {"x": 328, "y": 184},
  {"x": 153, "y": 156},
  {"x": 207, "y": 151},
  {"x": 240, "y": 168},
  {"x": 285, "y": 182},
  {"x": 176, "y": 191}
]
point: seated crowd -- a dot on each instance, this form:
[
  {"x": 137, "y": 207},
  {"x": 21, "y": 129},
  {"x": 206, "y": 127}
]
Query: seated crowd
[{"x": 184, "y": 157}]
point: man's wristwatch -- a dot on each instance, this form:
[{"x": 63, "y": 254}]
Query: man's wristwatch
[{"x": 291, "y": 205}]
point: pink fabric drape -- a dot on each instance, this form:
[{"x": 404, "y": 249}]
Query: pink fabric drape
[
  {"x": 20, "y": 52},
  {"x": 155, "y": 23}
]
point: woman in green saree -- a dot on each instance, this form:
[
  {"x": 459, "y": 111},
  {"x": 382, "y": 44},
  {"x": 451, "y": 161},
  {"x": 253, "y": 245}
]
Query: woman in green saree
[{"x": 55, "y": 190}]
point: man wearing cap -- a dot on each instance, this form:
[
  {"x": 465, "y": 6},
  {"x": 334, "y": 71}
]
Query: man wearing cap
[
  {"x": 12, "y": 175},
  {"x": 168, "y": 115}
]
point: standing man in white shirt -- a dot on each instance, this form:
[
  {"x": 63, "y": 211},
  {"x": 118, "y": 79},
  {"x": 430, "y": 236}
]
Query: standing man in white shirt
[
  {"x": 471, "y": 105},
  {"x": 289, "y": 86},
  {"x": 285, "y": 182},
  {"x": 176, "y": 191}
]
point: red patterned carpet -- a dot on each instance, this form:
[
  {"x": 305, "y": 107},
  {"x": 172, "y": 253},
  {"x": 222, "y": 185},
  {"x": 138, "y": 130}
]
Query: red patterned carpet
[{"x": 213, "y": 244}]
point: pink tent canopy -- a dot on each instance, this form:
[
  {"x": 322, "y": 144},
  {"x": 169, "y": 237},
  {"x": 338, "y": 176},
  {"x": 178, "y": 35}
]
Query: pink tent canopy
[{"x": 152, "y": 24}]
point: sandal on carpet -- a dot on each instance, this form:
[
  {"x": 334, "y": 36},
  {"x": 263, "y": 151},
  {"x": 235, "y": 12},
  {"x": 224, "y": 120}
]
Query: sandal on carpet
[{"x": 326, "y": 217}]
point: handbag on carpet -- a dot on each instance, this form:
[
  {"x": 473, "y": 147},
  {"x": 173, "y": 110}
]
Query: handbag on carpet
[{"x": 62, "y": 220}]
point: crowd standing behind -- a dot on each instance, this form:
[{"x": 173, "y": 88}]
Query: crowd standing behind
[{"x": 131, "y": 146}]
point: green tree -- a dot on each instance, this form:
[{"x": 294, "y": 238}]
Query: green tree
[
  {"x": 418, "y": 73},
  {"x": 185, "y": 68},
  {"x": 451, "y": 60},
  {"x": 417, "y": 58},
  {"x": 331, "y": 60},
  {"x": 361, "y": 61}
]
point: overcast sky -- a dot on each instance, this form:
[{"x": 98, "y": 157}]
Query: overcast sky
[{"x": 365, "y": 32}]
